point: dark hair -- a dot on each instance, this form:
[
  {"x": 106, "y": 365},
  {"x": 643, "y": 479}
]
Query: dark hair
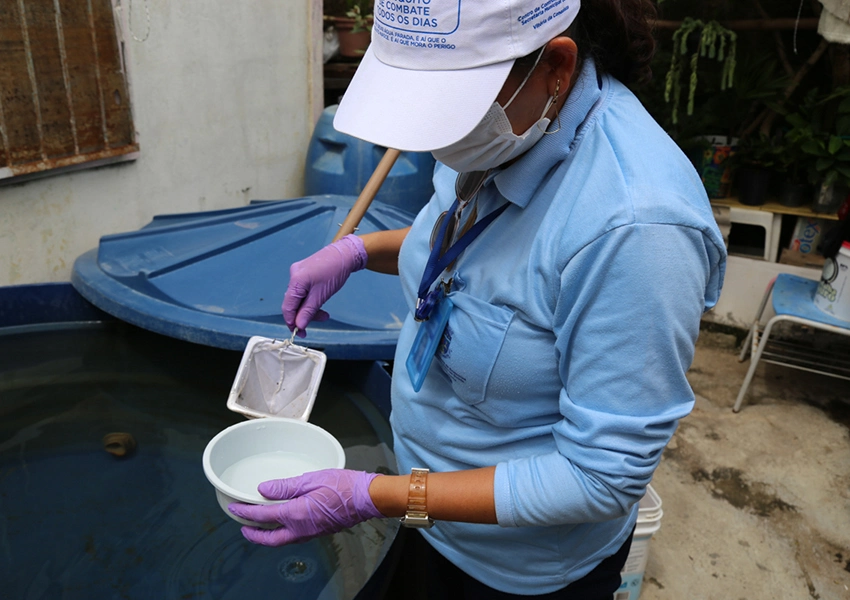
[{"x": 617, "y": 34}]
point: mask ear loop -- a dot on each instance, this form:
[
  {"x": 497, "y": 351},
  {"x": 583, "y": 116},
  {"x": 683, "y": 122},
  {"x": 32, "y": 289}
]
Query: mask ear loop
[
  {"x": 555, "y": 103},
  {"x": 525, "y": 79}
]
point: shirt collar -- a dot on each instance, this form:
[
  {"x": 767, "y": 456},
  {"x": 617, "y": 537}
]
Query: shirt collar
[{"x": 520, "y": 181}]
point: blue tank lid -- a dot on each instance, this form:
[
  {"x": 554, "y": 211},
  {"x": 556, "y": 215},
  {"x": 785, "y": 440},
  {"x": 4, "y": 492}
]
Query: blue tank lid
[{"x": 218, "y": 277}]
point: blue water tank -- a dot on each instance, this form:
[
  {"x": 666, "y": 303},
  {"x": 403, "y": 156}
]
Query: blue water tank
[{"x": 341, "y": 164}]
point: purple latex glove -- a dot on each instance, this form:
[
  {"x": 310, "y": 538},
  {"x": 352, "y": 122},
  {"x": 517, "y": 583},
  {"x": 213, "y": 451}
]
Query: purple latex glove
[
  {"x": 320, "y": 502},
  {"x": 318, "y": 277}
]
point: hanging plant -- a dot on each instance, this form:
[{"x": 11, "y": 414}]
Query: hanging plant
[{"x": 715, "y": 43}]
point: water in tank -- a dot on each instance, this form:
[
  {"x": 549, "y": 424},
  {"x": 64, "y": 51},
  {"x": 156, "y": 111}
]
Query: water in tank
[{"x": 102, "y": 493}]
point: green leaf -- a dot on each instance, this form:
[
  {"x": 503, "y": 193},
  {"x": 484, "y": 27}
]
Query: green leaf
[
  {"x": 835, "y": 144},
  {"x": 824, "y": 163},
  {"x": 842, "y": 125},
  {"x": 844, "y": 170},
  {"x": 814, "y": 148},
  {"x": 797, "y": 121}
]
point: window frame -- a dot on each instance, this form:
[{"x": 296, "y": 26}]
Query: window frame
[{"x": 119, "y": 141}]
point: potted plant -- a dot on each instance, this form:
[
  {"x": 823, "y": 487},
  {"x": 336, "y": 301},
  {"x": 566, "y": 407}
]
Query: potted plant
[
  {"x": 694, "y": 40},
  {"x": 710, "y": 156},
  {"x": 730, "y": 98},
  {"x": 753, "y": 165},
  {"x": 352, "y": 20},
  {"x": 821, "y": 128},
  {"x": 792, "y": 162},
  {"x": 711, "y": 96}
]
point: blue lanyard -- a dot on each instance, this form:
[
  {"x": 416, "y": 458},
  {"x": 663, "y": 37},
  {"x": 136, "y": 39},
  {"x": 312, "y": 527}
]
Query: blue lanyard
[{"x": 437, "y": 264}]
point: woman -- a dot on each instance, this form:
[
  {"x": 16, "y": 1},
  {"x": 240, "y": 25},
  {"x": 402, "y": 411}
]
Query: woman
[{"x": 546, "y": 372}]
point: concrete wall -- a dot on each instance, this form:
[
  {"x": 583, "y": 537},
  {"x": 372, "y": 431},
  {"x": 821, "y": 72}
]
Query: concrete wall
[{"x": 225, "y": 96}]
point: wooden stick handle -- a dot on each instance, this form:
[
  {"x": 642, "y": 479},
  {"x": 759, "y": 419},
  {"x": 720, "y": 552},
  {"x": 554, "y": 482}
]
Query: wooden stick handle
[{"x": 368, "y": 194}]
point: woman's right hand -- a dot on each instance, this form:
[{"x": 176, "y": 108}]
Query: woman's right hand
[{"x": 315, "y": 279}]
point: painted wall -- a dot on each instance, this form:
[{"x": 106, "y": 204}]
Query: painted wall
[
  {"x": 225, "y": 96},
  {"x": 744, "y": 287}
]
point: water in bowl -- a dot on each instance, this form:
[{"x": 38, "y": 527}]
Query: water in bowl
[
  {"x": 76, "y": 522},
  {"x": 246, "y": 474}
]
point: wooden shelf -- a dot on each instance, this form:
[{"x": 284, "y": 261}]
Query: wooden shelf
[{"x": 772, "y": 206}]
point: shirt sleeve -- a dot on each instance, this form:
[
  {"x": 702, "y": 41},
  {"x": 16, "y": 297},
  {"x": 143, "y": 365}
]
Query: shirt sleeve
[{"x": 626, "y": 320}]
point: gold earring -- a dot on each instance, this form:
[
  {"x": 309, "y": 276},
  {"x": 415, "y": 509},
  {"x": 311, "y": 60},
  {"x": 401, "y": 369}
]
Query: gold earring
[{"x": 555, "y": 104}]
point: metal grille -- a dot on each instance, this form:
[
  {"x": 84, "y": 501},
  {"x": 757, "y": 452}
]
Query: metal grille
[
  {"x": 63, "y": 92},
  {"x": 833, "y": 360}
]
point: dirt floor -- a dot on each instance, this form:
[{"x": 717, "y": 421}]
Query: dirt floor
[{"x": 756, "y": 504}]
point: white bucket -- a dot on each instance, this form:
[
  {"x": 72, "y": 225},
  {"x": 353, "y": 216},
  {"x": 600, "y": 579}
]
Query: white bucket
[
  {"x": 648, "y": 522},
  {"x": 833, "y": 293}
]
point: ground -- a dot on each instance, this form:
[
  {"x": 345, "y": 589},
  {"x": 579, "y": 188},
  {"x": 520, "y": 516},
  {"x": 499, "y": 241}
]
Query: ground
[{"x": 756, "y": 504}]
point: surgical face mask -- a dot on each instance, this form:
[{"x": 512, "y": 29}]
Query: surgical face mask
[{"x": 493, "y": 142}]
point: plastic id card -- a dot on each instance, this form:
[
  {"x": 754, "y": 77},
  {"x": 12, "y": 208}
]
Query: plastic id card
[{"x": 426, "y": 342}]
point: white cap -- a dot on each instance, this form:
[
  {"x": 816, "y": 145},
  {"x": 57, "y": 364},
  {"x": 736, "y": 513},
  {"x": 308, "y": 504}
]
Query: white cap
[{"x": 434, "y": 67}]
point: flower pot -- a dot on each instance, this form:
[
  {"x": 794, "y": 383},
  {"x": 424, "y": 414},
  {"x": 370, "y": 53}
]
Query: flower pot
[
  {"x": 829, "y": 198},
  {"x": 794, "y": 194},
  {"x": 351, "y": 44},
  {"x": 710, "y": 163},
  {"x": 752, "y": 185}
]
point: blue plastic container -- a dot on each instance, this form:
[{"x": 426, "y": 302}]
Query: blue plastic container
[
  {"x": 341, "y": 164},
  {"x": 218, "y": 277}
]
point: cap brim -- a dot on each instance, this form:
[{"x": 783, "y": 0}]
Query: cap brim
[{"x": 417, "y": 111}]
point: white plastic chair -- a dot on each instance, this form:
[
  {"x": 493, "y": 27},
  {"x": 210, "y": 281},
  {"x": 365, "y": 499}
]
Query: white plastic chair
[{"x": 793, "y": 302}]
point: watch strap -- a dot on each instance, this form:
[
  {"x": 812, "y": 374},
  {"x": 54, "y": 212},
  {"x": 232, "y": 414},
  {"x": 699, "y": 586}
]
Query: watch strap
[{"x": 417, "y": 501}]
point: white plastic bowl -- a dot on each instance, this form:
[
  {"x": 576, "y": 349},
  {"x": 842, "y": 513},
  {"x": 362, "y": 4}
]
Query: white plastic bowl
[{"x": 244, "y": 455}]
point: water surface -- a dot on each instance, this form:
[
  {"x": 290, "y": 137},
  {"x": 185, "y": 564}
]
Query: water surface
[{"x": 78, "y": 523}]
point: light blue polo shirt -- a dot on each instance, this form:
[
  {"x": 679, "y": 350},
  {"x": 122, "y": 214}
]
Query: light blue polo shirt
[{"x": 564, "y": 360}]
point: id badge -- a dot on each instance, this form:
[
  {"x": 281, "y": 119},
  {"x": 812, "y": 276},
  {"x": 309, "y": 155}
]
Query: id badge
[{"x": 426, "y": 342}]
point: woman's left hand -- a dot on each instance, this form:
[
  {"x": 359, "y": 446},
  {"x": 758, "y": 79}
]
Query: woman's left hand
[{"x": 320, "y": 503}]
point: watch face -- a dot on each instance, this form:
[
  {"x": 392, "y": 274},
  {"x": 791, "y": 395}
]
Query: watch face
[{"x": 830, "y": 270}]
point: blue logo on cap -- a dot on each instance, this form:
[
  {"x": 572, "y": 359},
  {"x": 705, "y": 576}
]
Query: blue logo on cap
[{"x": 428, "y": 17}]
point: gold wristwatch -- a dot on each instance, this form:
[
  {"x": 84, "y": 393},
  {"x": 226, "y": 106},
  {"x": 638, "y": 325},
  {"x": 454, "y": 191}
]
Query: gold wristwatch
[{"x": 417, "y": 508}]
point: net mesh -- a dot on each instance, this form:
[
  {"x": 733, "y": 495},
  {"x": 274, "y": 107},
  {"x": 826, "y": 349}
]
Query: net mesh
[{"x": 279, "y": 379}]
